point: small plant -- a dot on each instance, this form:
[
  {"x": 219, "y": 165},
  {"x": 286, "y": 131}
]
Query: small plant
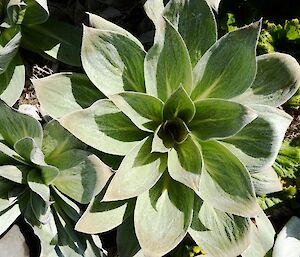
[
  {"x": 44, "y": 174},
  {"x": 195, "y": 118}
]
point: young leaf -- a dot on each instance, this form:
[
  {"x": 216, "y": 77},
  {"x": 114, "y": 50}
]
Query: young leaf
[
  {"x": 185, "y": 163},
  {"x": 57, "y": 140},
  {"x": 82, "y": 175},
  {"x": 179, "y": 105},
  {"x": 228, "y": 68},
  {"x": 154, "y": 10},
  {"x": 63, "y": 93},
  {"x": 118, "y": 57},
  {"x": 227, "y": 235},
  {"x": 276, "y": 81},
  {"x": 257, "y": 144},
  {"x": 36, "y": 12},
  {"x": 225, "y": 183},
  {"x": 216, "y": 118},
  {"x": 104, "y": 127},
  {"x": 162, "y": 216},
  {"x": 140, "y": 169},
  {"x": 168, "y": 65},
  {"x": 143, "y": 110},
  {"x": 195, "y": 22}
]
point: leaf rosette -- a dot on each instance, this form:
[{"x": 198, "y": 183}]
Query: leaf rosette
[
  {"x": 45, "y": 177},
  {"x": 195, "y": 118}
]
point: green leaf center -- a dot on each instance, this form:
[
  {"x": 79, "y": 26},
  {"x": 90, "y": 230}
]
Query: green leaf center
[{"x": 174, "y": 131}]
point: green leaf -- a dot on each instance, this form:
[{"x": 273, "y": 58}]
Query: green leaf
[
  {"x": 257, "y": 144},
  {"x": 162, "y": 216},
  {"x": 140, "y": 169},
  {"x": 82, "y": 175},
  {"x": 216, "y": 118},
  {"x": 179, "y": 105},
  {"x": 262, "y": 237},
  {"x": 15, "y": 126},
  {"x": 8, "y": 216},
  {"x": 168, "y": 65},
  {"x": 9, "y": 156},
  {"x": 158, "y": 144},
  {"x": 104, "y": 127},
  {"x": 37, "y": 185},
  {"x": 103, "y": 216},
  {"x": 40, "y": 208},
  {"x": 17, "y": 174},
  {"x": 228, "y": 68},
  {"x": 118, "y": 57},
  {"x": 266, "y": 181},
  {"x": 7, "y": 195},
  {"x": 195, "y": 22},
  {"x": 277, "y": 80},
  {"x": 288, "y": 240},
  {"x": 8, "y": 52},
  {"x": 36, "y": 12},
  {"x": 98, "y": 22},
  {"x": 54, "y": 38},
  {"x": 15, "y": 11},
  {"x": 12, "y": 81},
  {"x": 63, "y": 93},
  {"x": 127, "y": 242},
  {"x": 57, "y": 140},
  {"x": 144, "y": 111},
  {"x": 185, "y": 163},
  {"x": 228, "y": 235},
  {"x": 225, "y": 182}
]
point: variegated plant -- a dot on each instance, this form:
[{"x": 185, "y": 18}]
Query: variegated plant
[
  {"x": 195, "y": 118},
  {"x": 43, "y": 173}
]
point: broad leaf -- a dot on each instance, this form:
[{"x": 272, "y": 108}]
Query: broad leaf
[
  {"x": 57, "y": 140},
  {"x": 277, "y": 79},
  {"x": 98, "y": 22},
  {"x": 8, "y": 52},
  {"x": 57, "y": 39},
  {"x": 225, "y": 183},
  {"x": 143, "y": 110},
  {"x": 119, "y": 59},
  {"x": 40, "y": 207},
  {"x": 12, "y": 81},
  {"x": 228, "y": 68},
  {"x": 9, "y": 156},
  {"x": 82, "y": 175},
  {"x": 216, "y": 118},
  {"x": 8, "y": 216},
  {"x": 162, "y": 216},
  {"x": 262, "y": 237},
  {"x": 195, "y": 22},
  {"x": 168, "y": 65},
  {"x": 288, "y": 239},
  {"x": 64, "y": 93},
  {"x": 266, "y": 181},
  {"x": 36, "y": 12},
  {"x": 104, "y": 127},
  {"x": 15, "y": 126},
  {"x": 257, "y": 144},
  {"x": 140, "y": 169},
  {"x": 227, "y": 235},
  {"x": 127, "y": 242},
  {"x": 185, "y": 163},
  {"x": 179, "y": 105},
  {"x": 17, "y": 174},
  {"x": 103, "y": 216}
]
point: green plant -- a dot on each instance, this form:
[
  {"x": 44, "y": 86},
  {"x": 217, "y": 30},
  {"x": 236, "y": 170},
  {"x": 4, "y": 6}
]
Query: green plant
[
  {"x": 26, "y": 23},
  {"x": 196, "y": 120},
  {"x": 44, "y": 175}
]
